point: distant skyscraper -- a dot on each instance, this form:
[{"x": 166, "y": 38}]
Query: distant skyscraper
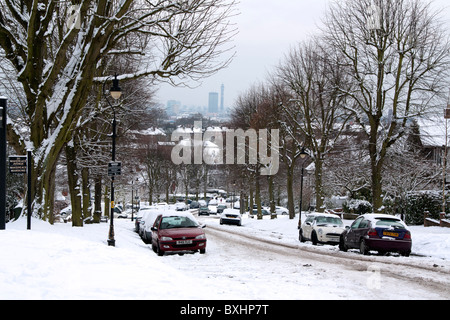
[
  {"x": 222, "y": 98},
  {"x": 213, "y": 104},
  {"x": 173, "y": 107}
]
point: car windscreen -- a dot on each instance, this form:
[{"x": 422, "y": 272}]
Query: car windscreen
[
  {"x": 329, "y": 221},
  {"x": 177, "y": 222}
]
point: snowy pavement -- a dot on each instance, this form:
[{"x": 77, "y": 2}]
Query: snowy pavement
[{"x": 61, "y": 262}]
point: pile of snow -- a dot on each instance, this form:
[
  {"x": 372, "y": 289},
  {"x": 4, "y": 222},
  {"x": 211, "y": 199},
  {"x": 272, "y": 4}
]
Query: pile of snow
[{"x": 61, "y": 262}]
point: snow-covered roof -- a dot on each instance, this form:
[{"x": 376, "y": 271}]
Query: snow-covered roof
[
  {"x": 181, "y": 130},
  {"x": 150, "y": 132},
  {"x": 432, "y": 131}
]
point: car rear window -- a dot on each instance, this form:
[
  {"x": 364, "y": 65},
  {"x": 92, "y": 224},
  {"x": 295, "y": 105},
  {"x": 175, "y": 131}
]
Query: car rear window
[{"x": 386, "y": 222}]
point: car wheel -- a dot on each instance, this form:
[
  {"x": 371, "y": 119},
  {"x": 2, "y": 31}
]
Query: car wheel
[
  {"x": 363, "y": 247},
  {"x": 405, "y": 253},
  {"x": 155, "y": 250},
  {"x": 314, "y": 239},
  {"x": 202, "y": 251},
  {"x": 342, "y": 245},
  {"x": 300, "y": 236},
  {"x": 221, "y": 221},
  {"x": 159, "y": 251}
]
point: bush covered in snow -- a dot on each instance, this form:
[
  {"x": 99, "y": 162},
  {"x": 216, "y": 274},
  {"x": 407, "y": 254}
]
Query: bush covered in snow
[
  {"x": 419, "y": 202},
  {"x": 357, "y": 206}
]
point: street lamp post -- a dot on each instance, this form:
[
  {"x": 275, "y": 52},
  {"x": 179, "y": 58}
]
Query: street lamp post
[
  {"x": 115, "y": 93},
  {"x": 3, "y": 103},
  {"x": 133, "y": 197}
]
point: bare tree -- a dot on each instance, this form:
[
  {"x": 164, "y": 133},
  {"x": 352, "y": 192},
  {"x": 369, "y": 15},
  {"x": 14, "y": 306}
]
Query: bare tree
[
  {"x": 56, "y": 61},
  {"x": 396, "y": 52},
  {"x": 254, "y": 109},
  {"x": 312, "y": 75}
]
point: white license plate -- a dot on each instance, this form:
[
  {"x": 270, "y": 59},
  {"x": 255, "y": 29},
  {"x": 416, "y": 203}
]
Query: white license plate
[{"x": 184, "y": 242}]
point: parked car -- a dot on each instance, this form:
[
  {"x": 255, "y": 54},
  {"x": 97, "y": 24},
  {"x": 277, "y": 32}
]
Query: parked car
[
  {"x": 221, "y": 208},
  {"x": 67, "y": 211},
  {"x": 321, "y": 228},
  {"x": 137, "y": 220},
  {"x": 146, "y": 224},
  {"x": 194, "y": 205},
  {"x": 203, "y": 210},
  {"x": 379, "y": 232},
  {"x": 264, "y": 212},
  {"x": 122, "y": 215},
  {"x": 162, "y": 205},
  {"x": 281, "y": 210},
  {"x": 118, "y": 208},
  {"x": 181, "y": 206},
  {"x": 212, "y": 208},
  {"x": 177, "y": 232},
  {"x": 230, "y": 216}
]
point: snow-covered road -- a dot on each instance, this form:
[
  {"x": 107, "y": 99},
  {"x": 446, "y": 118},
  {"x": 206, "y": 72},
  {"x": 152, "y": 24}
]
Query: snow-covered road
[
  {"x": 61, "y": 262},
  {"x": 249, "y": 268}
]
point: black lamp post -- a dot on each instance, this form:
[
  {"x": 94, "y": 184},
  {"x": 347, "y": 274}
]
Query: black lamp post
[
  {"x": 303, "y": 155},
  {"x": 3, "y": 106},
  {"x": 115, "y": 93}
]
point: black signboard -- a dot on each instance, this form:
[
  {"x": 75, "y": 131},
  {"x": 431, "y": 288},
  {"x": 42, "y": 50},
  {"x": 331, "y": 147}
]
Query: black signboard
[
  {"x": 18, "y": 164},
  {"x": 114, "y": 169}
]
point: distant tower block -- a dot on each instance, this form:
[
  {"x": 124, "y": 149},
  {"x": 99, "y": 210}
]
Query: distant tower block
[
  {"x": 222, "y": 97},
  {"x": 213, "y": 105}
]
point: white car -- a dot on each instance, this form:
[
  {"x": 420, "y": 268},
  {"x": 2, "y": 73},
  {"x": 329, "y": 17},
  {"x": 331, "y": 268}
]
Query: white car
[
  {"x": 281, "y": 210},
  {"x": 181, "y": 206},
  {"x": 146, "y": 223},
  {"x": 230, "y": 216},
  {"x": 321, "y": 228}
]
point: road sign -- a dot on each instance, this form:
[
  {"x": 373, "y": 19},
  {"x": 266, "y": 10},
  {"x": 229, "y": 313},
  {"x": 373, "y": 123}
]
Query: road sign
[
  {"x": 447, "y": 113},
  {"x": 18, "y": 164},
  {"x": 114, "y": 169}
]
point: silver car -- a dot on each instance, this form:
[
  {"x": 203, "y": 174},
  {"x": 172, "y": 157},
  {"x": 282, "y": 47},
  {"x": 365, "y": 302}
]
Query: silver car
[{"x": 321, "y": 228}]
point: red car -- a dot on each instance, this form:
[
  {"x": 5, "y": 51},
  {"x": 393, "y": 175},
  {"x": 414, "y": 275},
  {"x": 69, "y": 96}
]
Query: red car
[
  {"x": 378, "y": 232},
  {"x": 177, "y": 232}
]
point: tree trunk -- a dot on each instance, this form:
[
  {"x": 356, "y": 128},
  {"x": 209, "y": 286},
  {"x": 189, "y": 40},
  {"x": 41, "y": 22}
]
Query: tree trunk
[
  {"x": 318, "y": 175},
  {"x": 107, "y": 209},
  {"x": 376, "y": 161},
  {"x": 271, "y": 197},
  {"x": 74, "y": 186},
  {"x": 250, "y": 200},
  {"x": 86, "y": 194},
  {"x": 97, "y": 199},
  {"x": 377, "y": 199},
  {"x": 150, "y": 193},
  {"x": 258, "y": 196}
]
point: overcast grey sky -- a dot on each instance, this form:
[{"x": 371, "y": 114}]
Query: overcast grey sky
[{"x": 267, "y": 29}]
